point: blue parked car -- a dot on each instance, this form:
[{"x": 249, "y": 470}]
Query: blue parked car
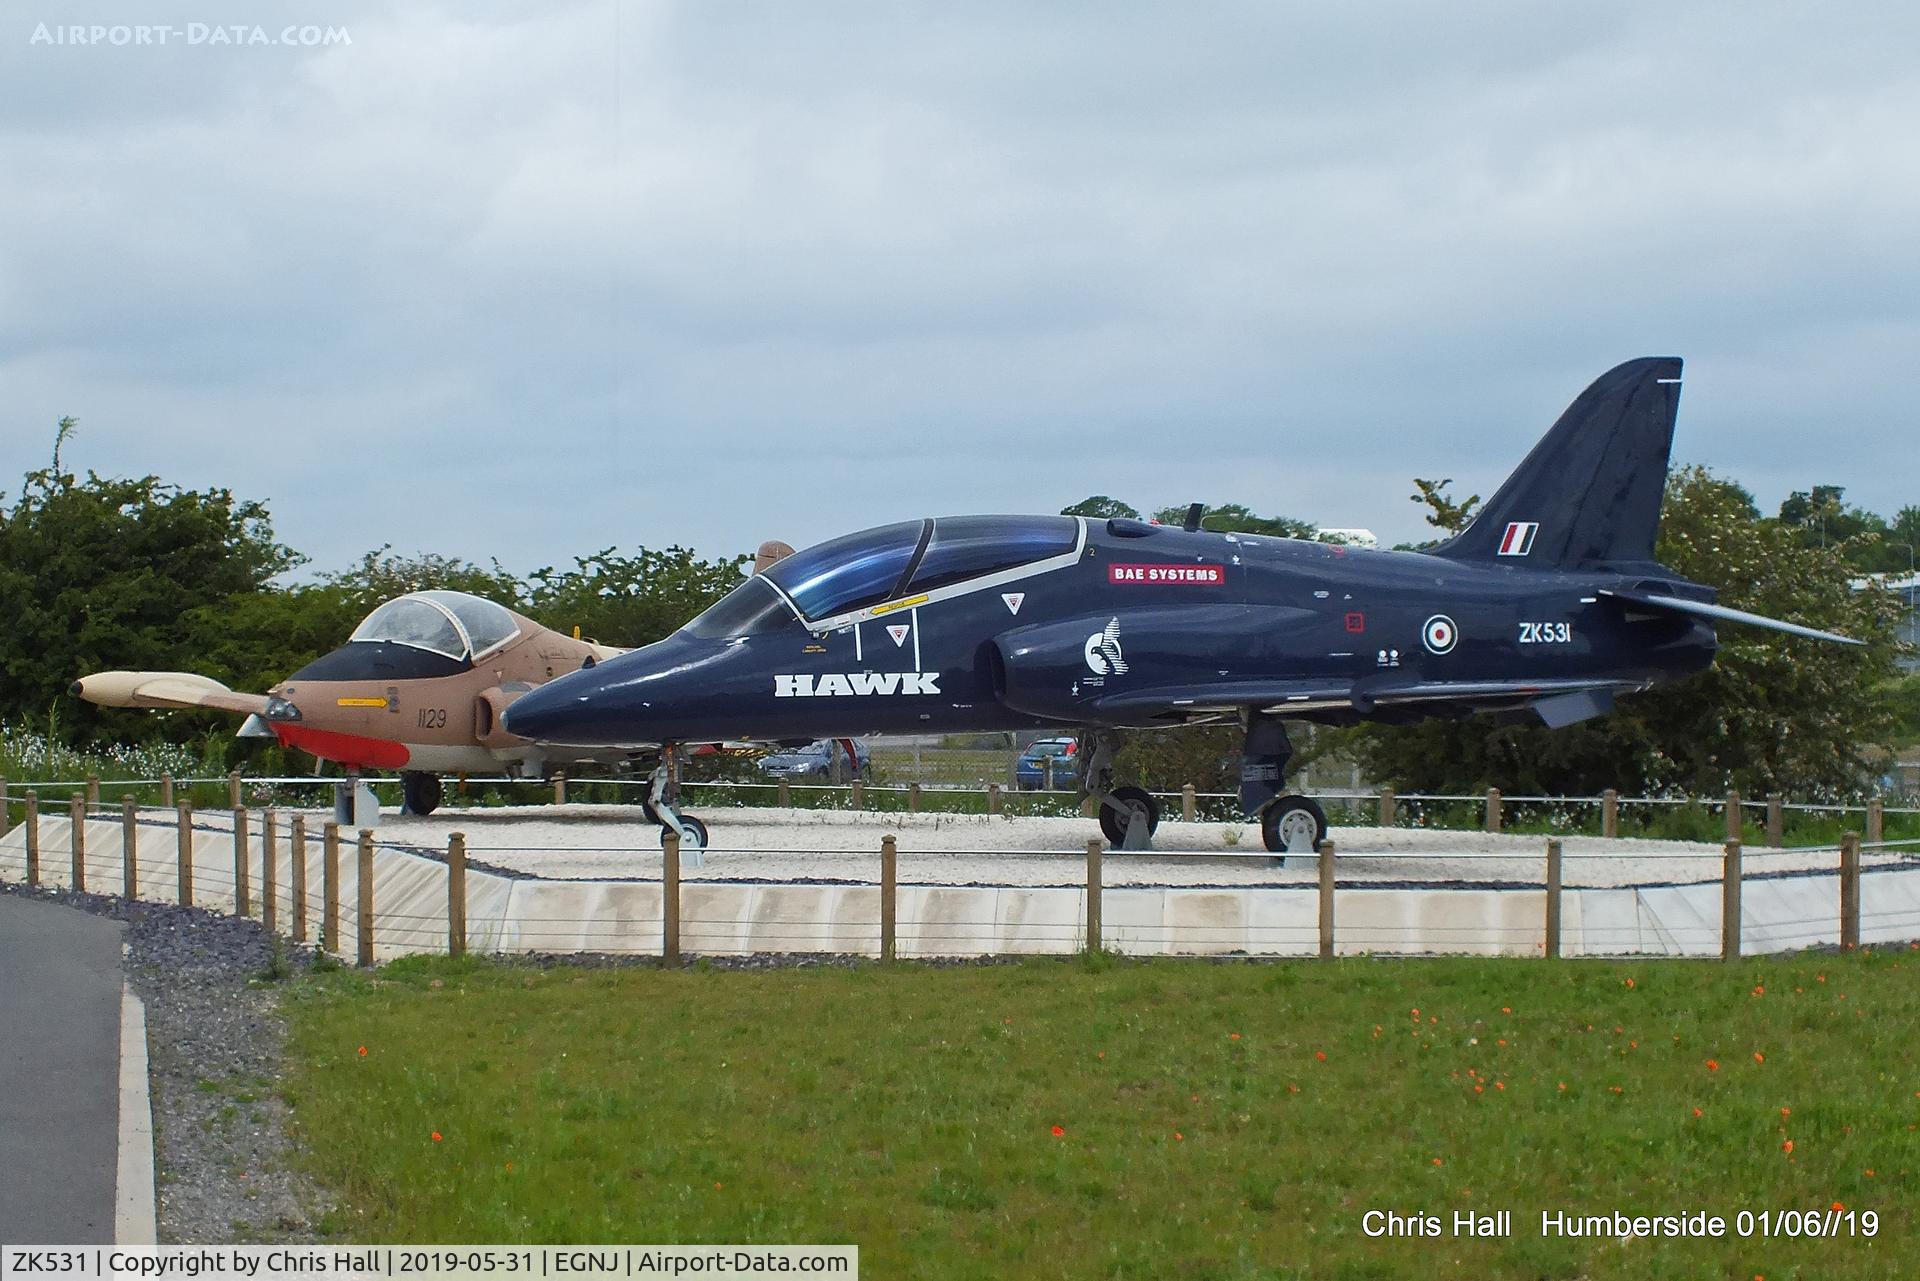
[{"x": 1030, "y": 772}]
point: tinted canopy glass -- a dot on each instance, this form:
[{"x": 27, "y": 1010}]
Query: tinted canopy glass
[
  {"x": 485, "y": 623},
  {"x": 848, "y": 573},
  {"x": 450, "y": 623},
  {"x": 966, "y": 547},
  {"x": 748, "y": 609}
]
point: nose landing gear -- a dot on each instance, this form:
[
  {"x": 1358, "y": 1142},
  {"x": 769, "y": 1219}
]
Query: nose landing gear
[{"x": 663, "y": 807}]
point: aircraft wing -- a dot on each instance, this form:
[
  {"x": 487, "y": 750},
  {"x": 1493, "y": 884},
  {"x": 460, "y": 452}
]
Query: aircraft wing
[
  {"x": 165, "y": 689},
  {"x": 1306, "y": 697}
]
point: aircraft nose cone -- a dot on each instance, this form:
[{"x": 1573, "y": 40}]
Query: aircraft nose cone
[{"x": 544, "y": 714}]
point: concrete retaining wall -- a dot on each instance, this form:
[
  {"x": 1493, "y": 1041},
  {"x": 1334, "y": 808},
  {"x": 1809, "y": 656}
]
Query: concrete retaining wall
[{"x": 729, "y": 918}]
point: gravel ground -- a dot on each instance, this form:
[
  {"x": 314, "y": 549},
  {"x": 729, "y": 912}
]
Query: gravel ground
[
  {"x": 214, "y": 1039},
  {"x": 602, "y": 842}
]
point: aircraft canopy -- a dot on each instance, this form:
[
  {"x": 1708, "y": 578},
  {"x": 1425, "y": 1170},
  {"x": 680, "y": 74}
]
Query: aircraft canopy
[
  {"x": 450, "y": 623},
  {"x": 860, "y": 570}
]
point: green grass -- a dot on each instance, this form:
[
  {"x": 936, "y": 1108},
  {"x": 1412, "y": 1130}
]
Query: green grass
[{"x": 911, "y": 1110}]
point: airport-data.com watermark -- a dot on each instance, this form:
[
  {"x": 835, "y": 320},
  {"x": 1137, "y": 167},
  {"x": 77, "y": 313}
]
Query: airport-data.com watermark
[{"x": 187, "y": 34}]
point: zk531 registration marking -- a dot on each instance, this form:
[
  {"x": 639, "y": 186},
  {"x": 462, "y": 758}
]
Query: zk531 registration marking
[{"x": 1546, "y": 633}]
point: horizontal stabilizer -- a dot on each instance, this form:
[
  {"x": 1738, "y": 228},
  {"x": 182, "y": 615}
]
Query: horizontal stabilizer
[{"x": 1721, "y": 613}]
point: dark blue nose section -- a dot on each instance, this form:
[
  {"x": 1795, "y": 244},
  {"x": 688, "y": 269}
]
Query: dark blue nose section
[{"x": 562, "y": 711}]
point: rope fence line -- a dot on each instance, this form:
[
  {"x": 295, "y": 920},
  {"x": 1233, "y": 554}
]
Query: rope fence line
[{"x": 317, "y": 887}]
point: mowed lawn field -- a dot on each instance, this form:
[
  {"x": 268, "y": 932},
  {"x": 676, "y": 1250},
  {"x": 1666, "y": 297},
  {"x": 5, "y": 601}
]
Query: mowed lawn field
[{"x": 1075, "y": 1118}]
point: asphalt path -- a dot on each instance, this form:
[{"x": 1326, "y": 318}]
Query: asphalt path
[{"x": 60, "y": 988}]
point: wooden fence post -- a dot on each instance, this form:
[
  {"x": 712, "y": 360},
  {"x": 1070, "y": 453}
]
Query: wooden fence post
[
  {"x": 889, "y": 885},
  {"x": 913, "y": 797},
  {"x": 1849, "y": 891},
  {"x": 1387, "y": 807},
  {"x": 786, "y": 794},
  {"x": 560, "y": 789},
  {"x": 993, "y": 798},
  {"x": 457, "y": 894},
  {"x": 297, "y": 866},
  {"x": 1730, "y": 904},
  {"x": 1554, "y": 873},
  {"x": 93, "y": 791},
  {"x": 1493, "y": 809},
  {"x": 77, "y": 841},
  {"x": 4, "y": 810},
  {"x": 1326, "y": 900},
  {"x": 33, "y": 838},
  {"x": 166, "y": 790},
  {"x": 269, "y": 868},
  {"x": 1733, "y": 816},
  {"x": 1093, "y": 894},
  {"x": 1189, "y": 802},
  {"x": 330, "y": 888},
  {"x": 857, "y": 794},
  {"x": 669, "y": 897},
  {"x": 365, "y": 886},
  {"x": 1776, "y": 821},
  {"x": 242, "y": 880},
  {"x": 1610, "y": 813},
  {"x": 1876, "y": 821},
  {"x": 233, "y": 789},
  {"x": 129, "y": 850},
  {"x": 1046, "y": 764},
  {"x": 183, "y": 840}
]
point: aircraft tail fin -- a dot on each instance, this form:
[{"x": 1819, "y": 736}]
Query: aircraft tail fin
[{"x": 1589, "y": 493}]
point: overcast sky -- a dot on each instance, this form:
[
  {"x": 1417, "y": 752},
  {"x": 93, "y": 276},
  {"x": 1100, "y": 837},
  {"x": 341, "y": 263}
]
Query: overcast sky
[{"x": 528, "y": 280}]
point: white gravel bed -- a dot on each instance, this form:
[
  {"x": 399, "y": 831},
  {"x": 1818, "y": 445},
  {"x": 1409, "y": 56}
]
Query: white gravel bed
[{"x": 590, "y": 842}]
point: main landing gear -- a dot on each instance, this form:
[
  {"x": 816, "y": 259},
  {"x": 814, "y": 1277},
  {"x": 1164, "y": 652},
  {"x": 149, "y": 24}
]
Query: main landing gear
[
  {"x": 663, "y": 805},
  {"x": 420, "y": 792},
  {"x": 1289, "y": 823},
  {"x": 1128, "y": 815}
]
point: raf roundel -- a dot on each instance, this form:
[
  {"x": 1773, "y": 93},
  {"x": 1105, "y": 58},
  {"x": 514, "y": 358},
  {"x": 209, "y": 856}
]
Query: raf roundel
[{"x": 1438, "y": 634}]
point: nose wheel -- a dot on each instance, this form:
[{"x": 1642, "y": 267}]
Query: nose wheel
[{"x": 662, "y": 807}]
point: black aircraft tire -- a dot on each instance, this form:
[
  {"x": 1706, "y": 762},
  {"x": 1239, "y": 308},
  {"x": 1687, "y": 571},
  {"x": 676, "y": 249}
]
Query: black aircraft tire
[
  {"x": 696, "y": 837},
  {"x": 1279, "y": 818},
  {"x": 653, "y": 815},
  {"x": 422, "y": 792},
  {"x": 1132, "y": 798}
]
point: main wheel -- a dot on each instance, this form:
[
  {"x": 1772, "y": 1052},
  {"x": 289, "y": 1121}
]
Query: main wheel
[
  {"x": 1130, "y": 805},
  {"x": 421, "y": 791},
  {"x": 695, "y": 836},
  {"x": 1295, "y": 823}
]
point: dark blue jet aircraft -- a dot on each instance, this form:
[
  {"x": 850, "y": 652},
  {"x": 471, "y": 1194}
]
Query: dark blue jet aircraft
[{"x": 1550, "y": 602}]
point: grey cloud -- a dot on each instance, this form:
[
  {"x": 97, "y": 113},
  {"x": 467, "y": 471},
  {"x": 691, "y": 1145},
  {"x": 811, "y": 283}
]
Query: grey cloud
[{"x": 706, "y": 274}]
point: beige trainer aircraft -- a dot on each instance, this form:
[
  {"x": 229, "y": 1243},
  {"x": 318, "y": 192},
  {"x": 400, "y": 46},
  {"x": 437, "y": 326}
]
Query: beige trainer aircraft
[{"x": 419, "y": 688}]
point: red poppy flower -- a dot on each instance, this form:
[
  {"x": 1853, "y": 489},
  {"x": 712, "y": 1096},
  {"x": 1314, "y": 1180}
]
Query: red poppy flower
[
  {"x": 1058, "y": 1131},
  {"x": 436, "y": 1136}
]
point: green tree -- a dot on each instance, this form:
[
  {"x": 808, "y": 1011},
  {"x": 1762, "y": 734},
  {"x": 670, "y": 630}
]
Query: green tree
[
  {"x": 110, "y": 573},
  {"x": 1443, "y": 512},
  {"x": 631, "y": 600},
  {"x": 380, "y": 576},
  {"x": 1100, "y": 507},
  {"x": 1774, "y": 713},
  {"x": 1235, "y": 518}
]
